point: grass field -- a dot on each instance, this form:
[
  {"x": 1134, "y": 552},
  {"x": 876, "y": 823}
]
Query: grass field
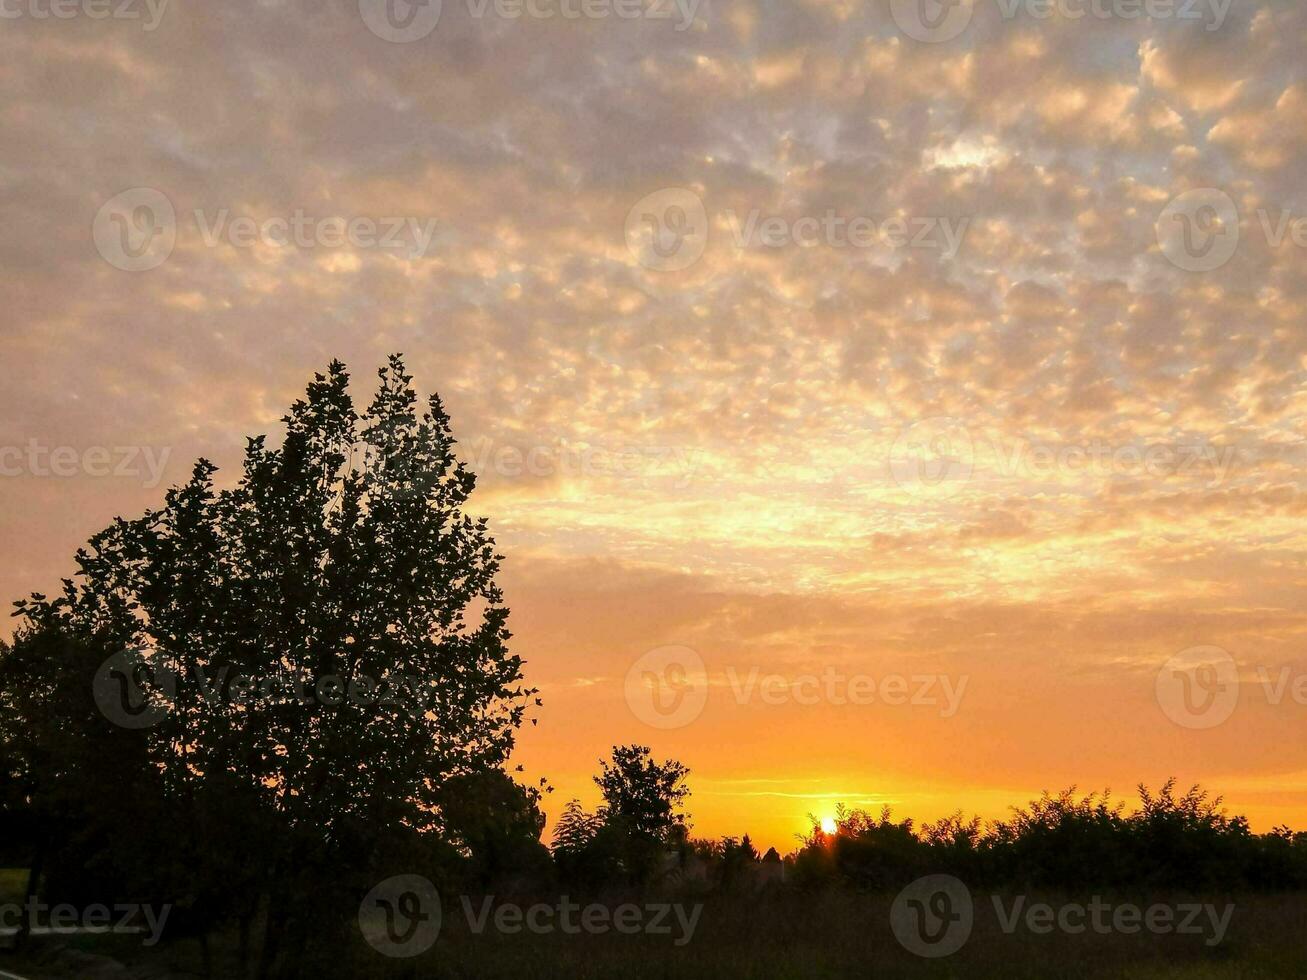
[{"x": 792, "y": 935}]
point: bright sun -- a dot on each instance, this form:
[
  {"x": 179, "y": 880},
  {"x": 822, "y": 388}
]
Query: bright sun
[{"x": 828, "y": 825}]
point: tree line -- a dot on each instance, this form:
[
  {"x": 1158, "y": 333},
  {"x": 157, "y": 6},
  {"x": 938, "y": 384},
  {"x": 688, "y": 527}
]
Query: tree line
[{"x": 255, "y": 702}]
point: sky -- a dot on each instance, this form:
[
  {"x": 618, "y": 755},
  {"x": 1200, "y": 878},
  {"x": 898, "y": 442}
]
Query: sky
[{"x": 888, "y": 403}]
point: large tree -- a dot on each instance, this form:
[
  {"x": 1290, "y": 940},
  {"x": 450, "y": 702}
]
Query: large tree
[{"x": 327, "y": 634}]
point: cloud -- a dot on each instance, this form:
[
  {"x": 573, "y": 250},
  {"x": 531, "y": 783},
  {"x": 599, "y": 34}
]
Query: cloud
[{"x": 704, "y": 455}]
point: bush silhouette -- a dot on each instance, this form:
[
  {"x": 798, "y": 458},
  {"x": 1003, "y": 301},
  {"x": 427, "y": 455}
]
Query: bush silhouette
[{"x": 1064, "y": 841}]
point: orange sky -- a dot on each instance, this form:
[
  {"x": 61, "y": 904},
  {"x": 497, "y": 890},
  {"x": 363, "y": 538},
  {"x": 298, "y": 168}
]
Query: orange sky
[{"x": 718, "y": 441}]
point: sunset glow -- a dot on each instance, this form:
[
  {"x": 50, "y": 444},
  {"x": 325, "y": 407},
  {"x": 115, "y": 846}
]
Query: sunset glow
[{"x": 931, "y": 520}]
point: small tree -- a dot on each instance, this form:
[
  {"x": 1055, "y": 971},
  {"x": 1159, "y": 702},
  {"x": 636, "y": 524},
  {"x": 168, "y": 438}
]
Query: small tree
[
  {"x": 497, "y": 822},
  {"x": 576, "y": 829},
  {"x": 645, "y": 795},
  {"x": 643, "y": 800},
  {"x": 585, "y": 848},
  {"x": 738, "y": 858}
]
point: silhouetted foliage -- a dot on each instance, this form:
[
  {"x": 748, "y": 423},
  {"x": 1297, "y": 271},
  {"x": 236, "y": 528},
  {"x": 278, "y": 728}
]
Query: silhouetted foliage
[
  {"x": 642, "y": 808},
  {"x": 331, "y": 646},
  {"x": 644, "y": 794},
  {"x": 1173, "y": 840},
  {"x": 586, "y": 848},
  {"x": 638, "y": 828},
  {"x": 498, "y": 824},
  {"x": 344, "y": 554}
]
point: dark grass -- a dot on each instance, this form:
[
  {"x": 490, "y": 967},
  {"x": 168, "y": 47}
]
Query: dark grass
[
  {"x": 790, "y": 934},
  {"x": 13, "y": 884}
]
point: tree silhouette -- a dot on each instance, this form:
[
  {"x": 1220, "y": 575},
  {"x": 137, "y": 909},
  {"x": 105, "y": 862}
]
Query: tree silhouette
[
  {"x": 575, "y": 829},
  {"x": 585, "y": 849},
  {"x": 645, "y": 795},
  {"x": 498, "y": 823},
  {"x": 332, "y": 635},
  {"x": 75, "y": 789},
  {"x": 643, "y": 801}
]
